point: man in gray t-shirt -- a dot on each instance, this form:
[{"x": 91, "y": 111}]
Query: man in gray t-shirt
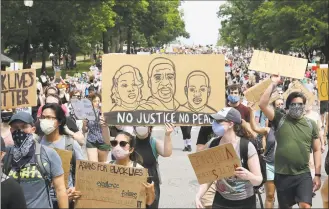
[
  {"x": 33, "y": 185},
  {"x": 24, "y": 167}
]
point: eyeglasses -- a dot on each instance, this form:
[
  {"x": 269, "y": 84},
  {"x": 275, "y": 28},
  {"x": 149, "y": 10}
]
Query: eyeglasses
[
  {"x": 114, "y": 143},
  {"x": 296, "y": 104}
]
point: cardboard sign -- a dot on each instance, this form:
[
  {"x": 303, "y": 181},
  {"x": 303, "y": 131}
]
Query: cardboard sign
[
  {"x": 254, "y": 93},
  {"x": 18, "y": 89},
  {"x": 298, "y": 87},
  {"x": 83, "y": 109},
  {"x": 158, "y": 89},
  {"x": 323, "y": 84},
  {"x": 215, "y": 163},
  {"x": 110, "y": 186},
  {"x": 278, "y": 64},
  {"x": 66, "y": 157},
  {"x": 58, "y": 74}
]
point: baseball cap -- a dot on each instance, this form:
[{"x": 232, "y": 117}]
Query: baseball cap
[
  {"x": 22, "y": 116},
  {"x": 3, "y": 146},
  {"x": 228, "y": 113}
]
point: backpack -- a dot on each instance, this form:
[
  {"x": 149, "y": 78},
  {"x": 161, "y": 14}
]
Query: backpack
[
  {"x": 244, "y": 159},
  {"x": 44, "y": 173}
]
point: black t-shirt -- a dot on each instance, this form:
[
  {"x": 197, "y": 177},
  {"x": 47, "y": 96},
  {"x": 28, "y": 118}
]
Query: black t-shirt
[
  {"x": 12, "y": 195},
  {"x": 205, "y": 134}
]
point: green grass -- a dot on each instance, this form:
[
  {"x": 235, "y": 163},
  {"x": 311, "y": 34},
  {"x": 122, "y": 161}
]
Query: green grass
[{"x": 82, "y": 66}]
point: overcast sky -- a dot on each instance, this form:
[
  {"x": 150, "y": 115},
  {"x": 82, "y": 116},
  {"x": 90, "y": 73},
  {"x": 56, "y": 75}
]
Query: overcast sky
[{"x": 201, "y": 21}]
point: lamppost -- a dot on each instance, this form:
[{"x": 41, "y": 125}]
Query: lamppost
[{"x": 28, "y": 4}]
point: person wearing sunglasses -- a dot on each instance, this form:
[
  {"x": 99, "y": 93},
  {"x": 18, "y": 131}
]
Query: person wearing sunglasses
[
  {"x": 295, "y": 136},
  {"x": 150, "y": 148},
  {"x": 123, "y": 149}
]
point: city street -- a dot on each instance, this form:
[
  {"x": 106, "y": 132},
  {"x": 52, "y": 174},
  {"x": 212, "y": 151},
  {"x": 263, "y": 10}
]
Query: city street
[{"x": 179, "y": 181}]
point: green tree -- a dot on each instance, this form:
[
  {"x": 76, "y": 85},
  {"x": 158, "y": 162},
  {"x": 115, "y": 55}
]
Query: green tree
[{"x": 276, "y": 25}]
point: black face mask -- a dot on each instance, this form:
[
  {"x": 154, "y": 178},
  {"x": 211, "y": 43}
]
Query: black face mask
[
  {"x": 6, "y": 116},
  {"x": 19, "y": 137}
]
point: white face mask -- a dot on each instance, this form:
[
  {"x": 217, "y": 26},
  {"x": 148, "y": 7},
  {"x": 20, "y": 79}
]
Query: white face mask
[
  {"x": 142, "y": 131},
  {"x": 47, "y": 126},
  {"x": 119, "y": 153}
]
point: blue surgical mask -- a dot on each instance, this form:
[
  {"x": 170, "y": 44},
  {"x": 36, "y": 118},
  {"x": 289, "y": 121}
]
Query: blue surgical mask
[
  {"x": 218, "y": 129},
  {"x": 233, "y": 99}
]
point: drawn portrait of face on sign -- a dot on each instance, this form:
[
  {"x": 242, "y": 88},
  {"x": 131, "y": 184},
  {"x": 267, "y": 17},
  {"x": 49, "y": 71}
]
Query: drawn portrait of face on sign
[
  {"x": 197, "y": 91},
  {"x": 126, "y": 88},
  {"x": 162, "y": 83},
  {"x": 158, "y": 89}
]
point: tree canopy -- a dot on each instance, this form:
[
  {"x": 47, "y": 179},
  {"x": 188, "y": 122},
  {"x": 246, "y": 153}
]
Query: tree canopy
[
  {"x": 276, "y": 25},
  {"x": 74, "y": 26}
]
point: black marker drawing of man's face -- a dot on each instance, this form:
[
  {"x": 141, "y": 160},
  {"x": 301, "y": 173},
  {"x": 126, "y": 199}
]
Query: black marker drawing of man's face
[
  {"x": 197, "y": 89},
  {"x": 162, "y": 81}
]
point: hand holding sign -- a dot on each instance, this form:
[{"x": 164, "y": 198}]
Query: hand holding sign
[
  {"x": 150, "y": 193},
  {"x": 169, "y": 128},
  {"x": 251, "y": 106},
  {"x": 73, "y": 194},
  {"x": 276, "y": 79},
  {"x": 242, "y": 173}
]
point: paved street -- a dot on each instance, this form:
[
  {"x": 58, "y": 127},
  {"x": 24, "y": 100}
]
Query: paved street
[{"x": 179, "y": 181}]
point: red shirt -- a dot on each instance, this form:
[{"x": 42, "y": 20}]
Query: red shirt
[{"x": 244, "y": 111}]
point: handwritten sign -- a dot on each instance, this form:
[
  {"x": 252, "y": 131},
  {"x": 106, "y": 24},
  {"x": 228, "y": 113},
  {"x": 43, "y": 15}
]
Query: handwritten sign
[
  {"x": 110, "y": 186},
  {"x": 278, "y": 64},
  {"x": 323, "y": 84},
  {"x": 298, "y": 87},
  {"x": 18, "y": 89},
  {"x": 83, "y": 109},
  {"x": 137, "y": 90},
  {"x": 215, "y": 163},
  {"x": 66, "y": 157},
  {"x": 254, "y": 93},
  {"x": 58, "y": 74}
]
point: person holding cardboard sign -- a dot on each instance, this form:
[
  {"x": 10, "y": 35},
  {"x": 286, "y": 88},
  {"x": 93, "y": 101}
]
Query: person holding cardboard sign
[
  {"x": 124, "y": 152},
  {"x": 52, "y": 123},
  {"x": 236, "y": 191},
  {"x": 95, "y": 134},
  {"x": 296, "y": 135}
]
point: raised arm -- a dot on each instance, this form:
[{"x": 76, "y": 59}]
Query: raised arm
[
  {"x": 165, "y": 148},
  {"x": 265, "y": 99},
  {"x": 253, "y": 124}
]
